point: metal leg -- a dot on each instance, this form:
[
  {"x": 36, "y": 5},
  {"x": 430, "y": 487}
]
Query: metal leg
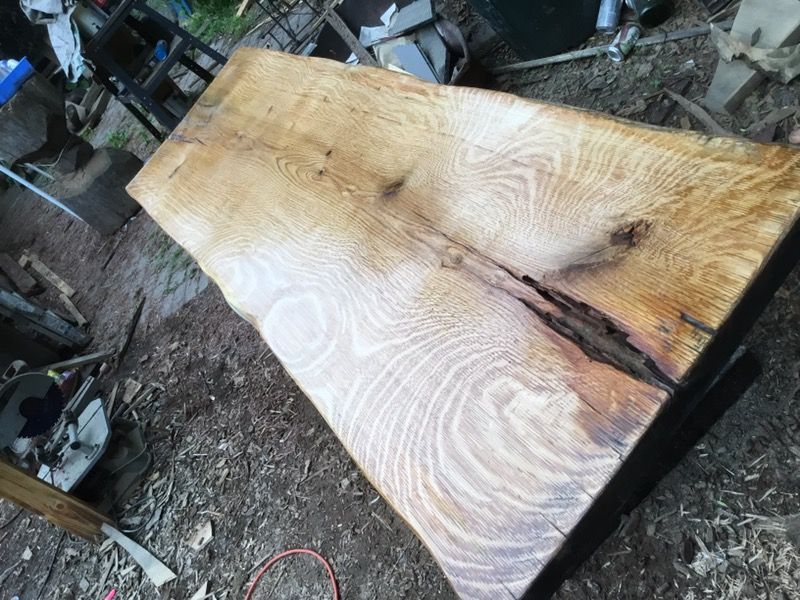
[
  {"x": 182, "y": 33},
  {"x": 195, "y": 68},
  {"x": 140, "y": 116}
]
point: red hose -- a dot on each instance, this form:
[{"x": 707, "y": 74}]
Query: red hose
[{"x": 275, "y": 559}]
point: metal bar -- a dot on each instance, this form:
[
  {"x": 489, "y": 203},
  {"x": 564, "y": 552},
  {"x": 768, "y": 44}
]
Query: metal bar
[
  {"x": 36, "y": 190},
  {"x": 154, "y": 131},
  {"x": 195, "y": 68},
  {"x": 182, "y": 33}
]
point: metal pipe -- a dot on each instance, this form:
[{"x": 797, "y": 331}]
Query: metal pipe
[{"x": 37, "y": 191}]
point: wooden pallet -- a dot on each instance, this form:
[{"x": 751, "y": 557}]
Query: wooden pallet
[{"x": 504, "y": 309}]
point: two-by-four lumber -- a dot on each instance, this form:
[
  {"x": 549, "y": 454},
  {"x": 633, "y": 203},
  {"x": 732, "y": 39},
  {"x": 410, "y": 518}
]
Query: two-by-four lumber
[
  {"x": 73, "y": 310},
  {"x": 29, "y": 258},
  {"x": 58, "y": 507}
]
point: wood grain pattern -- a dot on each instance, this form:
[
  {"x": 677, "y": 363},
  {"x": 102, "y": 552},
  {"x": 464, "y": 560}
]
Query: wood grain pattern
[
  {"x": 489, "y": 299},
  {"x": 53, "y": 504}
]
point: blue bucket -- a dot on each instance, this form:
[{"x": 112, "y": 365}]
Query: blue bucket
[{"x": 14, "y": 80}]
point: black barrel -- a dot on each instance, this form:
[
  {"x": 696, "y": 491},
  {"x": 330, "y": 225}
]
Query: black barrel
[{"x": 537, "y": 28}]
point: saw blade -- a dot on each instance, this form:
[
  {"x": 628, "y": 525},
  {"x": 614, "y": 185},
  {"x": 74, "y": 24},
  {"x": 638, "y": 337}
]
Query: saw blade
[{"x": 41, "y": 414}]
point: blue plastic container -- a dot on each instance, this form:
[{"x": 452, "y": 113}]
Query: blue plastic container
[{"x": 14, "y": 80}]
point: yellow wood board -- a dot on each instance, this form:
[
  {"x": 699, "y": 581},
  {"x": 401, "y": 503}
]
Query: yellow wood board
[{"x": 489, "y": 299}]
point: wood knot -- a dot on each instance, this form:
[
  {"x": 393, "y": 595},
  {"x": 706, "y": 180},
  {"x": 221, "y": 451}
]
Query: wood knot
[
  {"x": 391, "y": 190},
  {"x": 453, "y": 257},
  {"x": 631, "y": 234}
]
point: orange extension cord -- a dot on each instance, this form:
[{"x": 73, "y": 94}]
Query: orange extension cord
[{"x": 282, "y": 555}]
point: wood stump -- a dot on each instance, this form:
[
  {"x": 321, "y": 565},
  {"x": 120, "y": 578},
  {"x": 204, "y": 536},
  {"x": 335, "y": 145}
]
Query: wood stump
[
  {"x": 96, "y": 191},
  {"x": 32, "y": 123}
]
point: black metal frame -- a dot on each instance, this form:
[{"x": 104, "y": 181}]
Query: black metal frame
[
  {"x": 124, "y": 86},
  {"x": 278, "y": 10}
]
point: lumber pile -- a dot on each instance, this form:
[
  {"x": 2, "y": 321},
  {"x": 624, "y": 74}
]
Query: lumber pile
[{"x": 492, "y": 301}]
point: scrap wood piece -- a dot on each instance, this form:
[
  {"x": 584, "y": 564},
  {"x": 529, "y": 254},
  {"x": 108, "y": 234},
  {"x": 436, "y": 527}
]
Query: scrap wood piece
[
  {"x": 79, "y": 361},
  {"x": 243, "y": 7},
  {"x": 55, "y": 505},
  {"x": 21, "y": 279},
  {"x": 489, "y": 299},
  {"x": 773, "y": 24},
  {"x": 349, "y": 38},
  {"x": 776, "y": 115},
  {"x": 155, "y": 570},
  {"x": 201, "y": 593},
  {"x": 30, "y": 258},
  {"x": 131, "y": 388},
  {"x": 782, "y": 64},
  {"x": 658, "y": 112},
  {"x": 132, "y": 324},
  {"x": 201, "y": 536},
  {"x": 73, "y": 310},
  {"x": 698, "y": 113}
]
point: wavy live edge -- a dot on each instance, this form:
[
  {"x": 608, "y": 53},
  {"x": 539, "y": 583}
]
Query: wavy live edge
[{"x": 489, "y": 299}]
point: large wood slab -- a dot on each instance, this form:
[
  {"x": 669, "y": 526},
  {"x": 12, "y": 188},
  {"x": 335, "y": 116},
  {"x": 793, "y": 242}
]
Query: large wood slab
[{"x": 489, "y": 299}]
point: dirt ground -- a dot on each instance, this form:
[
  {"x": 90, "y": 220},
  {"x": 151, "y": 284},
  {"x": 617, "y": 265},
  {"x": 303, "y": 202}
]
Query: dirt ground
[{"x": 237, "y": 444}]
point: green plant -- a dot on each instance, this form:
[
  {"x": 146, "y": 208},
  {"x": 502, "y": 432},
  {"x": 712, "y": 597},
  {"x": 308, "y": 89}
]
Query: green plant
[
  {"x": 173, "y": 260},
  {"x": 87, "y": 134},
  {"x": 117, "y": 138},
  {"x": 214, "y": 18}
]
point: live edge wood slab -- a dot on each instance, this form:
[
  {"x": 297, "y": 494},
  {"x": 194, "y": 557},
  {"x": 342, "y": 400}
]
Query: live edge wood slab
[{"x": 503, "y": 308}]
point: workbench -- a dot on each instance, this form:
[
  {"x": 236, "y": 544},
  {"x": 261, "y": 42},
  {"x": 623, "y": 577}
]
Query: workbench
[{"x": 514, "y": 315}]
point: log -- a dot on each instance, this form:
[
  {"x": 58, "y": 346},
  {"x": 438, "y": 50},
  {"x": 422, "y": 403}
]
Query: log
[
  {"x": 492, "y": 301},
  {"x": 56, "y": 506}
]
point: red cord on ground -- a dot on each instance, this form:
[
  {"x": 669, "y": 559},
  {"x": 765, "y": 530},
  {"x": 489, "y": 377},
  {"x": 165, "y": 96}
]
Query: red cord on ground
[{"x": 275, "y": 559}]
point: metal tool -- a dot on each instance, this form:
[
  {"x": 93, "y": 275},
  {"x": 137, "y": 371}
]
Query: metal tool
[
  {"x": 71, "y": 443},
  {"x": 30, "y": 405}
]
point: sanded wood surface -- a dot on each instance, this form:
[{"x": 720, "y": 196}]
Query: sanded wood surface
[
  {"x": 489, "y": 299},
  {"x": 56, "y": 506}
]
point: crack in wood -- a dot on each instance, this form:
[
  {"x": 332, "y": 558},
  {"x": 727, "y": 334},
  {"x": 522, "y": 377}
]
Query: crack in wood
[{"x": 596, "y": 334}]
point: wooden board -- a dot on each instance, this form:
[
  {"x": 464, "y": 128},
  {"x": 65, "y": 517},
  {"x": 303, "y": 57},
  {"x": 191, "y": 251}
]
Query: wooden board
[
  {"x": 48, "y": 501},
  {"x": 26, "y": 284},
  {"x": 774, "y": 23},
  {"x": 489, "y": 299}
]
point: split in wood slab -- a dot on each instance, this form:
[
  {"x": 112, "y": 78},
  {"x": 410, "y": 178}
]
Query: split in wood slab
[{"x": 490, "y": 300}]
